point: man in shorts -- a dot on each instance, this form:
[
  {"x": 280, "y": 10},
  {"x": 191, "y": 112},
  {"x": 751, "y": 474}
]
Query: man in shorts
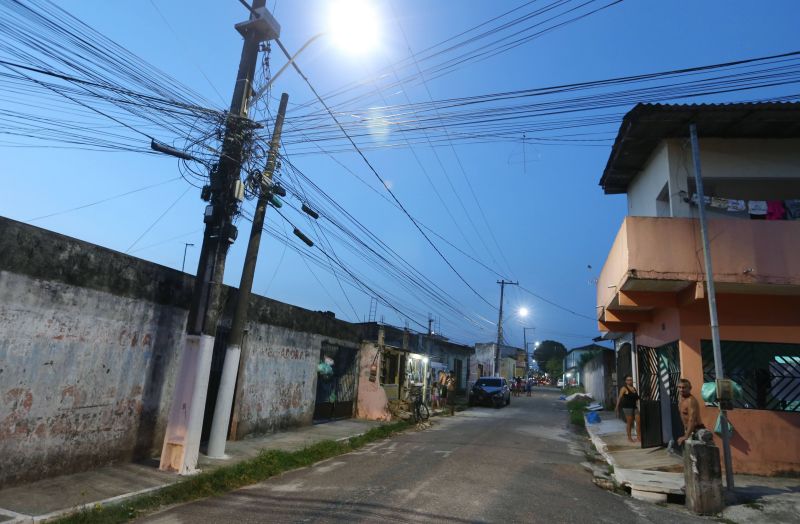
[{"x": 689, "y": 409}]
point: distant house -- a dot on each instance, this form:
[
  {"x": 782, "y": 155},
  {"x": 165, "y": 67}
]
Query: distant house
[
  {"x": 651, "y": 294},
  {"x": 402, "y": 360},
  {"x": 574, "y": 360}
]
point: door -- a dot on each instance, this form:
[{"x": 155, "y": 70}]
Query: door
[
  {"x": 336, "y": 389},
  {"x": 649, "y": 397},
  {"x": 670, "y": 370},
  {"x": 457, "y": 368}
]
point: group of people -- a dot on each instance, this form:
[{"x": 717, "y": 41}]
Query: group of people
[
  {"x": 688, "y": 407},
  {"x": 519, "y": 384},
  {"x": 444, "y": 391}
]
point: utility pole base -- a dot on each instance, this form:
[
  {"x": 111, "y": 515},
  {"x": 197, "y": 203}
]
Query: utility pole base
[
  {"x": 185, "y": 425},
  {"x": 222, "y": 409}
]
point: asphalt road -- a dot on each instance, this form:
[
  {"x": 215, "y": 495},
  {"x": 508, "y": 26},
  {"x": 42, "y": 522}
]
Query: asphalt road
[{"x": 515, "y": 464}]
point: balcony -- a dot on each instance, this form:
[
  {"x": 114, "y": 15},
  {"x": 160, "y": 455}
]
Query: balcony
[{"x": 658, "y": 262}]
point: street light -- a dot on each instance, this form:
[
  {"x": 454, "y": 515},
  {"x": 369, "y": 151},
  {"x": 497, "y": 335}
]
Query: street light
[
  {"x": 186, "y": 246},
  {"x": 353, "y": 27}
]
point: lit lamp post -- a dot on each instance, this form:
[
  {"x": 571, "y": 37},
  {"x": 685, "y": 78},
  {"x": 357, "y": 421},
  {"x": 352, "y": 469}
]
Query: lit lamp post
[{"x": 353, "y": 25}]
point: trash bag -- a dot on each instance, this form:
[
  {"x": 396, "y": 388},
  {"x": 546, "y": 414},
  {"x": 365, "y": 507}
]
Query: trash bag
[
  {"x": 718, "y": 426},
  {"x": 324, "y": 369},
  {"x": 593, "y": 417},
  {"x": 709, "y": 392}
]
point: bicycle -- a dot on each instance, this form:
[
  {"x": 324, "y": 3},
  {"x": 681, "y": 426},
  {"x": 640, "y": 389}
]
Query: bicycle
[{"x": 419, "y": 410}]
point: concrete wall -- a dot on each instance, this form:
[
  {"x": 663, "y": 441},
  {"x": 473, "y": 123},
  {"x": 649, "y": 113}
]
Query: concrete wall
[
  {"x": 732, "y": 168},
  {"x": 372, "y": 403},
  {"x": 484, "y": 355},
  {"x": 88, "y": 355},
  {"x": 596, "y": 377},
  {"x": 645, "y": 188},
  {"x": 765, "y": 442}
]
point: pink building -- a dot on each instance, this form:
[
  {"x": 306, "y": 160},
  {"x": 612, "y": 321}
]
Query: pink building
[{"x": 651, "y": 295}]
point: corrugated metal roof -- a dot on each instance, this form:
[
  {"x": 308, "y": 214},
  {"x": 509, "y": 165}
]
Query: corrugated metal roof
[{"x": 646, "y": 125}]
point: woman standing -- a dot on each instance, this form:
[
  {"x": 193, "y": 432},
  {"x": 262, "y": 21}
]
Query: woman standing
[{"x": 628, "y": 400}]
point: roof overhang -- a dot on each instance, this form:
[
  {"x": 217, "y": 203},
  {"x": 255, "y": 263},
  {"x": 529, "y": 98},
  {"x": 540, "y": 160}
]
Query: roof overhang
[{"x": 646, "y": 125}]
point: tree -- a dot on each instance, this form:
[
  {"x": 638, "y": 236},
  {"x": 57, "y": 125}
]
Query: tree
[
  {"x": 547, "y": 350},
  {"x": 555, "y": 367}
]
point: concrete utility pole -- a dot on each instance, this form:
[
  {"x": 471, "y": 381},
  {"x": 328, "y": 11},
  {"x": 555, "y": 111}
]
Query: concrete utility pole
[
  {"x": 182, "y": 438},
  {"x": 712, "y": 305},
  {"x": 233, "y": 365},
  {"x": 500, "y": 325}
]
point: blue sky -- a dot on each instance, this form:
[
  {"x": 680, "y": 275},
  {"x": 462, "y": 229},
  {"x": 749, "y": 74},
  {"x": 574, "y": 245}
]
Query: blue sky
[{"x": 549, "y": 217}]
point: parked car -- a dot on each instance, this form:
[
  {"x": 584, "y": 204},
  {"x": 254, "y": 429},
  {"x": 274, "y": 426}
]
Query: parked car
[
  {"x": 560, "y": 383},
  {"x": 493, "y": 391}
]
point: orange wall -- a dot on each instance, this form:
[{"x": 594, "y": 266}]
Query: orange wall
[{"x": 765, "y": 442}]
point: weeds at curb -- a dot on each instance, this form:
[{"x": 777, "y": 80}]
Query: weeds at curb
[{"x": 228, "y": 478}]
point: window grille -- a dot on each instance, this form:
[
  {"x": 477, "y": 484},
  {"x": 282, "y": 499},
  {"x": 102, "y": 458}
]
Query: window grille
[{"x": 768, "y": 373}]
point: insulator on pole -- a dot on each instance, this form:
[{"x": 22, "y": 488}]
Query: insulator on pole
[
  {"x": 299, "y": 234},
  {"x": 310, "y": 212}
]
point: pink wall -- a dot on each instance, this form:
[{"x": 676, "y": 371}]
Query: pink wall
[
  {"x": 765, "y": 442},
  {"x": 743, "y": 252}
]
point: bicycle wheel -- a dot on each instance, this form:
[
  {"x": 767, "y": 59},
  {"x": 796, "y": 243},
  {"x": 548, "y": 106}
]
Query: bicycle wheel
[{"x": 423, "y": 413}]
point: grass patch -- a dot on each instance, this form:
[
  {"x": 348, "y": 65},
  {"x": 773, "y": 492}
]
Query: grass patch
[
  {"x": 754, "y": 505},
  {"x": 577, "y": 408},
  {"x": 228, "y": 478}
]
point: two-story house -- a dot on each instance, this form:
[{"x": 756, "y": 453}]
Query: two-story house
[{"x": 651, "y": 294}]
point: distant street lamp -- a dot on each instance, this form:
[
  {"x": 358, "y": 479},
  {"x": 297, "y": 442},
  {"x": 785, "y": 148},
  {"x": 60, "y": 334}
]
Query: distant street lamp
[{"x": 185, "y": 247}]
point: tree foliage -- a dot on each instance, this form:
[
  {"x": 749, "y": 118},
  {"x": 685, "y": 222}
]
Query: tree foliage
[
  {"x": 555, "y": 367},
  {"x": 547, "y": 351}
]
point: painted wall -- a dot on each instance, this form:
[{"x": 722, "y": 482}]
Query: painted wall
[
  {"x": 88, "y": 355},
  {"x": 732, "y": 168},
  {"x": 645, "y": 188},
  {"x": 372, "y": 403},
  {"x": 484, "y": 355},
  {"x": 765, "y": 442},
  {"x": 752, "y": 252},
  {"x": 597, "y": 380}
]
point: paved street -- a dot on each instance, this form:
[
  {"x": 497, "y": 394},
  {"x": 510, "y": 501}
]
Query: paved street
[{"x": 516, "y": 464}]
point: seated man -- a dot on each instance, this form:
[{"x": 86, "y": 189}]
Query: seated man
[{"x": 689, "y": 409}]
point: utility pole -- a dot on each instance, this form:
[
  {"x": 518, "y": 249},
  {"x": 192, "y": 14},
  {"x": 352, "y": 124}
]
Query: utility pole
[
  {"x": 525, "y": 342},
  {"x": 712, "y": 308},
  {"x": 430, "y": 325},
  {"x": 182, "y": 438},
  {"x": 500, "y": 325},
  {"x": 233, "y": 365}
]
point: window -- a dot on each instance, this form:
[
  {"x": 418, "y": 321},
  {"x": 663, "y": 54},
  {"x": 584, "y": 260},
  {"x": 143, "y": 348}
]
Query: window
[
  {"x": 768, "y": 373},
  {"x": 490, "y": 382}
]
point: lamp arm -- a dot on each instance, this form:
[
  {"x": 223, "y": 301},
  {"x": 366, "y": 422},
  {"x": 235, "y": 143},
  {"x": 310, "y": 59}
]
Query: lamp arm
[{"x": 291, "y": 58}]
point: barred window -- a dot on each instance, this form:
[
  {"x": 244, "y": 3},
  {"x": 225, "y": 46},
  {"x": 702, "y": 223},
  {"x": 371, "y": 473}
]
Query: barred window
[{"x": 768, "y": 373}]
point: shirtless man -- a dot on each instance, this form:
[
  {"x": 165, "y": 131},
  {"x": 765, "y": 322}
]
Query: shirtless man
[{"x": 689, "y": 409}]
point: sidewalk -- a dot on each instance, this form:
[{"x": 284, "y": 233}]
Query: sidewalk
[
  {"x": 58, "y": 496},
  {"x": 653, "y": 473}
]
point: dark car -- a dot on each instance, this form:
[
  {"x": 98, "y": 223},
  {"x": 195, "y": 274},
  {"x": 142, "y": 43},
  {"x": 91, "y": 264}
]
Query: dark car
[{"x": 490, "y": 390}]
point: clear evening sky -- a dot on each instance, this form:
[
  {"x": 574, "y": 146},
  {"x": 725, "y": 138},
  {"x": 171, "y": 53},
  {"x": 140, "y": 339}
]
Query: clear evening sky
[{"x": 541, "y": 200}]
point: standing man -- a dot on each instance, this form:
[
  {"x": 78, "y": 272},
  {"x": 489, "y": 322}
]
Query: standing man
[
  {"x": 451, "y": 392},
  {"x": 689, "y": 409}
]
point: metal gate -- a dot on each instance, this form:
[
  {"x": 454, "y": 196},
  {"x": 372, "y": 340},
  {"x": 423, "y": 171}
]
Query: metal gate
[
  {"x": 659, "y": 371},
  {"x": 649, "y": 397},
  {"x": 336, "y": 391}
]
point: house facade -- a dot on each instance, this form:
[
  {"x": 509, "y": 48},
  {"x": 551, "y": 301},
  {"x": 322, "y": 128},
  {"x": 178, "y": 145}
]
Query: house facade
[{"x": 651, "y": 294}]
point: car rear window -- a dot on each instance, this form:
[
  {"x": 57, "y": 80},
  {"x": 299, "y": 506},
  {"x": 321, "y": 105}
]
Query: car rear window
[{"x": 493, "y": 382}]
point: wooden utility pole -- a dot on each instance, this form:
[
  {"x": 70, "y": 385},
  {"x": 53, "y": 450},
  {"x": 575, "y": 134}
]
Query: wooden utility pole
[{"x": 233, "y": 366}]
